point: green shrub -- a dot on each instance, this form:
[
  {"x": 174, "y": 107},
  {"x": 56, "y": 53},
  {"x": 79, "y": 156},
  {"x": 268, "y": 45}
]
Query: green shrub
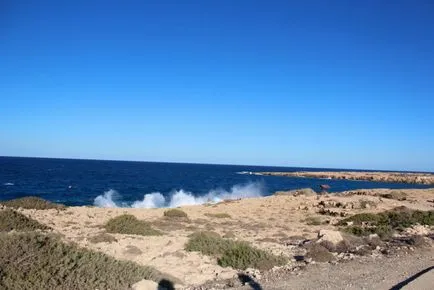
[
  {"x": 235, "y": 254},
  {"x": 12, "y": 220},
  {"x": 38, "y": 261},
  {"x": 175, "y": 213},
  {"x": 218, "y": 215},
  {"x": 385, "y": 223},
  {"x": 130, "y": 225},
  {"x": 32, "y": 202}
]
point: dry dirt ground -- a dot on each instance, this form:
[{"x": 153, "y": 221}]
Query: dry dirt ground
[
  {"x": 383, "y": 272},
  {"x": 267, "y": 223}
]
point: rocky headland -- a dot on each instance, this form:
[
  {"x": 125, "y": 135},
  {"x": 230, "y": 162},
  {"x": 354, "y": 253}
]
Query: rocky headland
[{"x": 398, "y": 177}]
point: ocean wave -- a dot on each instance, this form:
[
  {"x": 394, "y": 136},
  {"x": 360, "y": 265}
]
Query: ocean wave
[
  {"x": 176, "y": 198},
  {"x": 8, "y": 184}
]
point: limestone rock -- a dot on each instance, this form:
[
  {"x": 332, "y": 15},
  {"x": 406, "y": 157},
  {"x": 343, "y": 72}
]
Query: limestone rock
[
  {"x": 418, "y": 230},
  {"x": 145, "y": 285},
  {"x": 296, "y": 192},
  {"x": 330, "y": 236}
]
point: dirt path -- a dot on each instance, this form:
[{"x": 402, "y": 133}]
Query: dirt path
[{"x": 363, "y": 273}]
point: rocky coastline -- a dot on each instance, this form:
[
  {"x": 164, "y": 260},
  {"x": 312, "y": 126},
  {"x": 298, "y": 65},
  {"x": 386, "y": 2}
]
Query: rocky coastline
[{"x": 393, "y": 177}]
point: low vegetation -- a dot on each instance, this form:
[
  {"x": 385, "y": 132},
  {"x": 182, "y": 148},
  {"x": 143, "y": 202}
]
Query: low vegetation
[
  {"x": 32, "y": 202},
  {"x": 175, "y": 213},
  {"x": 235, "y": 254},
  {"x": 385, "y": 223},
  {"x": 313, "y": 221},
  {"x": 102, "y": 238},
  {"x": 398, "y": 195},
  {"x": 319, "y": 253},
  {"x": 12, "y": 220},
  {"x": 218, "y": 215},
  {"x": 38, "y": 261},
  {"x": 130, "y": 225}
]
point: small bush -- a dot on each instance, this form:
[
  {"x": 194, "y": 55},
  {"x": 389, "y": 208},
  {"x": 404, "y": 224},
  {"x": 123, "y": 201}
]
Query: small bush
[
  {"x": 32, "y": 202},
  {"x": 319, "y": 253},
  {"x": 130, "y": 225},
  {"x": 102, "y": 238},
  {"x": 243, "y": 256},
  {"x": 38, "y": 261},
  {"x": 175, "y": 213},
  {"x": 218, "y": 215},
  {"x": 236, "y": 254},
  {"x": 12, "y": 220}
]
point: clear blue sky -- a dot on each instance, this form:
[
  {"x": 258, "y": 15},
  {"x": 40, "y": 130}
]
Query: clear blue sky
[{"x": 346, "y": 84}]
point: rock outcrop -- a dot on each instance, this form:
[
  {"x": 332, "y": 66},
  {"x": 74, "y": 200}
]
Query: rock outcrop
[{"x": 398, "y": 177}]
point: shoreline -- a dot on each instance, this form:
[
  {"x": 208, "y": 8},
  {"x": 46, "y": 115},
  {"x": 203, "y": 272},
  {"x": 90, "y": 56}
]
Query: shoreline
[{"x": 391, "y": 177}]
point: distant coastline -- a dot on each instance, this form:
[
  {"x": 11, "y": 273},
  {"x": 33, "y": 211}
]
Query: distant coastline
[{"x": 395, "y": 177}]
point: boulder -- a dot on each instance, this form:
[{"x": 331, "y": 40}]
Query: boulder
[
  {"x": 329, "y": 236},
  {"x": 145, "y": 285}
]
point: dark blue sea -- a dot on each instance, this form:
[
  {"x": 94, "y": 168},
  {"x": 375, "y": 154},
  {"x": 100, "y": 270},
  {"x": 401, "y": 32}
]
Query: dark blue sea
[{"x": 150, "y": 184}]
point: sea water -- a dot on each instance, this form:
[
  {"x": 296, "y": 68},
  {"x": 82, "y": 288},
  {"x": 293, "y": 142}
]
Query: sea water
[{"x": 152, "y": 184}]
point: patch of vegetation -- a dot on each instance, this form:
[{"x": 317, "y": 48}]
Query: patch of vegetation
[
  {"x": 218, "y": 215},
  {"x": 102, "y": 238},
  {"x": 235, "y": 254},
  {"x": 385, "y": 223},
  {"x": 32, "y": 202},
  {"x": 12, "y": 220},
  {"x": 130, "y": 225},
  {"x": 175, "y": 213},
  {"x": 397, "y": 195},
  {"x": 319, "y": 253},
  {"x": 313, "y": 221},
  {"x": 38, "y": 261}
]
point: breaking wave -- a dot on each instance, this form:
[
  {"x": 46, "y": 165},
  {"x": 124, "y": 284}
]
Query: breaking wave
[
  {"x": 8, "y": 184},
  {"x": 112, "y": 198}
]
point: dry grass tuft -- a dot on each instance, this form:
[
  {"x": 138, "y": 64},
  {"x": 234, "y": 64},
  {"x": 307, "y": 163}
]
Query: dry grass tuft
[
  {"x": 102, "y": 238},
  {"x": 313, "y": 221},
  {"x": 397, "y": 195},
  {"x": 130, "y": 225},
  {"x": 218, "y": 215},
  {"x": 175, "y": 213},
  {"x": 38, "y": 261},
  {"x": 235, "y": 254},
  {"x": 319, "y": 253},
  {"x": 12, "y": 220},
  {"x": 32, "y": 202}
]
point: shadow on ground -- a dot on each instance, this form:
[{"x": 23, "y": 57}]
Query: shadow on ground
[{"x": 246, "y": 280}]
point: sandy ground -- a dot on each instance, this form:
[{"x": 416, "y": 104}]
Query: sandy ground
[{"x": 267, "y": 223}]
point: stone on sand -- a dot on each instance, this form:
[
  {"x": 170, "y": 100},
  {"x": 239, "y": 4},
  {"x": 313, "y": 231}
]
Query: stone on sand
[{"x": 333, "y": 237}]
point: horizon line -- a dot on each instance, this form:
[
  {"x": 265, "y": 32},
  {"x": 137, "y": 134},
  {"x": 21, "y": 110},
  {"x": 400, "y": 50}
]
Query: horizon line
[{"x": 220, "y": 164}]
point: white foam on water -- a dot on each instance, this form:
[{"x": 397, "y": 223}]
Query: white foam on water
[
  {"x": 181, "y": 197},
  {"x": 8, "y": 184}
]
